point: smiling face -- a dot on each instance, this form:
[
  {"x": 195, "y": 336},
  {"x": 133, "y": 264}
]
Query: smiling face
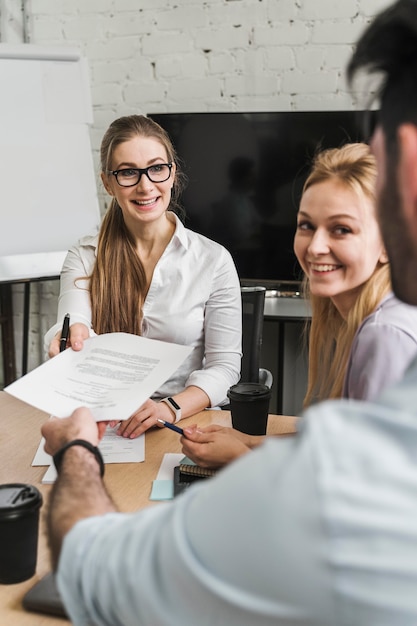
[
  {"x": 337, "y": 242},
  {"x": 147, "y": 201}
]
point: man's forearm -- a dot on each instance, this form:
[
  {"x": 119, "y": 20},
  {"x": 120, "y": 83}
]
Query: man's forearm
[{"x": 78, "y": 493}]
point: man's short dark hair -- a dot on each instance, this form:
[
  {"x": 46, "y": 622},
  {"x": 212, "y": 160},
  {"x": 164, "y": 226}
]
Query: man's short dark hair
[{"x": 389, "y": 45}]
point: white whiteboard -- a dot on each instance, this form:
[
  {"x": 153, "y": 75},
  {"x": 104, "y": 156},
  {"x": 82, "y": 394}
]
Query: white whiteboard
[{"x": 48, "y": 192}]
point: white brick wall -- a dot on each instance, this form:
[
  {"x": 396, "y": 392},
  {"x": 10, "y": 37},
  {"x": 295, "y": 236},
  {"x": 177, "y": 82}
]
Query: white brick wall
[{"x": 186, "y": 55}]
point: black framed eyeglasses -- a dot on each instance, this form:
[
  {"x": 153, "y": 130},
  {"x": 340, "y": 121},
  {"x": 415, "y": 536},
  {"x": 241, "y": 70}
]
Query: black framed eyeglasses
[{"x": 131, "y": 176}]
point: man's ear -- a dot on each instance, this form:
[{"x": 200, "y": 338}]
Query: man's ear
[{"x": 407, "y": 175}]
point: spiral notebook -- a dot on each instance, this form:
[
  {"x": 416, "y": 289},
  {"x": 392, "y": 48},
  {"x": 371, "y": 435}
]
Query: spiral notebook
[
  {"x": 189, "y": 468},
  {"x": 193, "y": 473}
]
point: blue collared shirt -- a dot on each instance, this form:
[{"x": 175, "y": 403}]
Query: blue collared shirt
[{"x": 318, "y": 529}]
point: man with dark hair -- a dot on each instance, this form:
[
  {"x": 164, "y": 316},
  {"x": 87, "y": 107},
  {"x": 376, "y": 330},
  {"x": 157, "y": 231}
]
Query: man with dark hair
[
  {"x": 318, "y": 529},
  {"x": 389, "y": 46}
]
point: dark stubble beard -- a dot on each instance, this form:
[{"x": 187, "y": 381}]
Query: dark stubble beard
[{"x": 402, "y": 251}]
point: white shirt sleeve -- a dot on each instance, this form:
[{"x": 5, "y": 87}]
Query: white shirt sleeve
[
  {"x": 222, "y": 334},
  {"x": 74, "y": 297}
]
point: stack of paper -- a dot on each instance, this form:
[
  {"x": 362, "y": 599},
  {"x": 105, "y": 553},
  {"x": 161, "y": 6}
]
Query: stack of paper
[{"x": 113, "y": 375}]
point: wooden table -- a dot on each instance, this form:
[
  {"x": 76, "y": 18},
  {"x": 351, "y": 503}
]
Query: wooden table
[{"x": 129, "y": 483}]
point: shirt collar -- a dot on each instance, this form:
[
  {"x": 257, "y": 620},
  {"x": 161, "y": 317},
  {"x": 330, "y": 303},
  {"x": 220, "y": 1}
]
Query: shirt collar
[
  {"x": 180, "y": 231},
  {"x": 180, "y": 234},
  {"x": 89, "y": 241}
]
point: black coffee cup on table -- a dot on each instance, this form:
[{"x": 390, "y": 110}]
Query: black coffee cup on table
[
  {"x": 249, "y": 406},
  {"x": 19, "y": 524}
]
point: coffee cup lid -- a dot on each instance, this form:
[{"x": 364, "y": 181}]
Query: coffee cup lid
[
  {"x": 248, "y": 391},
  {"x": 18, "y": 498}
]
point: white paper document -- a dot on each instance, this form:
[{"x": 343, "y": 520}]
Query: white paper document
[
  {"x": 166, "y": 469},
  {"x": 163, "y": 486},
  {"x": 114, "y": 448},
  {"x": 50, "y": 475},
  {"x": 113, "y": 375}
]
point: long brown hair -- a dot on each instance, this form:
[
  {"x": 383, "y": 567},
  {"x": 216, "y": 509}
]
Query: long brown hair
[
  {"x": 329, "y": 335},
  {"x": 118, "y": 282}
]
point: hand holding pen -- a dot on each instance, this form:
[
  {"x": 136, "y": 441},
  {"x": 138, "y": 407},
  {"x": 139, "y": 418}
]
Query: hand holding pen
[
  {"x": 173, "y": 427},
  {"x": 64, "y": 333},
  {"x": 177, "y": 429},
  {"x": 75, "y": 338}
]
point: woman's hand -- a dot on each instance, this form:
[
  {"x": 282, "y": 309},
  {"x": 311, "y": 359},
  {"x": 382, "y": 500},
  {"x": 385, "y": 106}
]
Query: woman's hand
[
  {"x": 78, "y": 334},
  {"x": 213, "y": 446},
  {"x": 144, "y": 418}
]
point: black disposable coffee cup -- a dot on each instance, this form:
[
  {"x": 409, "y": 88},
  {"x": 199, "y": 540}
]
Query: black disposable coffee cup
[
  {"x": 19, "y": 524},
  {"x": 249, "y": 406}
]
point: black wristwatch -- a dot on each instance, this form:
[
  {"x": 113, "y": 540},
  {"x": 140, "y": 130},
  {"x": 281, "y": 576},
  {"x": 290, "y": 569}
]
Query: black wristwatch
[
  {"x": 57, "y": 458},
  {"x": 175, "y": 408}
]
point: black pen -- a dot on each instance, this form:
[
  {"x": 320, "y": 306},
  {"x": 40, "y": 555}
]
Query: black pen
[
  {"x": 64, "y": 333},
  {"x": 171, "y": 426}
]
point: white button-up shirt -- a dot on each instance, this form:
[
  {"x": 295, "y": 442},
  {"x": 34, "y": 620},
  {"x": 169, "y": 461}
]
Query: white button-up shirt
[{"x": 194, "y": 299}]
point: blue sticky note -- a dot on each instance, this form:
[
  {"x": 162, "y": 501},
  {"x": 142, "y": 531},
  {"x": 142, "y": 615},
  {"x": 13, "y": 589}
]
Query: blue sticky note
[{"x": 162, "y": 490}]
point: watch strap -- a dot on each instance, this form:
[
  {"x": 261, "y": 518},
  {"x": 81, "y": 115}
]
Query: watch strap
[
  {"x": 174, "y": 406},
  {"x": 58, "y": 456}
]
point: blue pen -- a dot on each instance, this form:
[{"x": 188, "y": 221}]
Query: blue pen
[{"x": 171, "y": 426}]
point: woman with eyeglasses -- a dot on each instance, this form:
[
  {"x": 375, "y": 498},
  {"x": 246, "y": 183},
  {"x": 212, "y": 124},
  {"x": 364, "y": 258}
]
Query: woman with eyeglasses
[{"x": 145, "y": 273}]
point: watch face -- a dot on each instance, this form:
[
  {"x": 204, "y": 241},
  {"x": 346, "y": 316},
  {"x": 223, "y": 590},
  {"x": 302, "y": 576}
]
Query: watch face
[
  {"x": 174, "y": 407},
  {"x": 174, "y": 404}
]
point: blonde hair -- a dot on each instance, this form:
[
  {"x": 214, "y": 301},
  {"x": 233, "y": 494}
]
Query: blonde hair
[
  {"x": 118, "y": 282},
  {"x": 329, "y": 335}
]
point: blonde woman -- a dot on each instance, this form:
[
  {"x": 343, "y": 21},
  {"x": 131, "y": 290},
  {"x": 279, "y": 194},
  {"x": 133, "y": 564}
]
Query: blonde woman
[{"x": 361, "y": 338}]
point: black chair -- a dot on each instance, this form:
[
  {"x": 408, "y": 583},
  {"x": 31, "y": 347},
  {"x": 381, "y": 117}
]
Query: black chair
[
  {"x": 6, "y": 334},
  {"x": 253, "y": 301}
]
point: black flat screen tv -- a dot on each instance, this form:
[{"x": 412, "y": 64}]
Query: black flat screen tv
[{"x": 245, "y": 174}]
